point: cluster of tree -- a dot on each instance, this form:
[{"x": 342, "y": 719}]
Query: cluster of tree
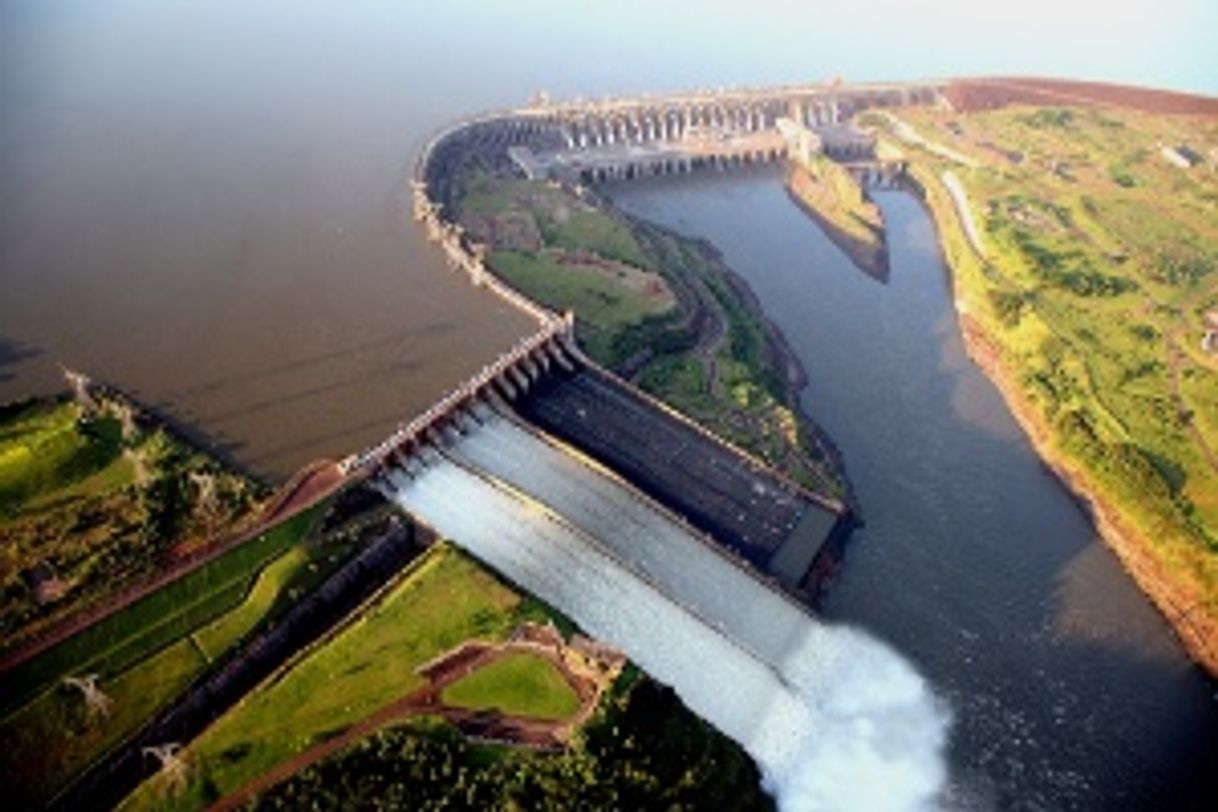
[
  {"x": 1049, "y": 118},
  {"x": 1008, "y": 306},
  {"x": 648, "y": 752},
  {"x": 1070, "y": 270},
  {"x": 1180, "y": 270},
  {"x": 1156, "y": 482}
]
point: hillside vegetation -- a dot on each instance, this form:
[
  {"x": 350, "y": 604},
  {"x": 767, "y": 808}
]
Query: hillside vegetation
[
  {"x": 653, "y": 305},
  {"x": 1088, "y": 303},
  {"x": 89, "y": 503}
]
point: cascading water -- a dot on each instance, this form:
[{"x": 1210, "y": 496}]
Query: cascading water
[{"x": 834, "y": 718}]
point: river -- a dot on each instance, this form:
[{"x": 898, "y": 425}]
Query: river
[{"x": 1068, "y": 689}]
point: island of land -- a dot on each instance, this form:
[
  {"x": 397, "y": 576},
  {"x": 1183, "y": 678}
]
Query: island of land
[{"x": 840, "y": 206}]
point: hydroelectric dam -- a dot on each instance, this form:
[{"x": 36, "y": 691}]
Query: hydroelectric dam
[{"x": 651, "y": 533}]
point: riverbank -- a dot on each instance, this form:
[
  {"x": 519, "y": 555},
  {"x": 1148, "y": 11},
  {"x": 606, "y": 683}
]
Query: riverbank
[
  {"x": 1196, "y": 630},
  {"x": 1178, "y": 593}
]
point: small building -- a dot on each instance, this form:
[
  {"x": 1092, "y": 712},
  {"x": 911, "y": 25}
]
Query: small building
[
  {"x": 1182, "y": 155},
  {"x": 844, "y": 142},
  {"x": 802, "y": 143}
]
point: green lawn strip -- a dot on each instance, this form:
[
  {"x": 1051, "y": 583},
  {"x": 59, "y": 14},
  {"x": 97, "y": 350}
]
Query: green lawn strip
[
  {"x": 53, "y": 740},
  {"x": 156, "y": 620},
  {"x": 294, "y": 573},
  {"x": 601, "y": 300},
  {"x": 214, "y": 638},
  {"x": 444, "y": 599},
  {"x": 517, "y": 683}
]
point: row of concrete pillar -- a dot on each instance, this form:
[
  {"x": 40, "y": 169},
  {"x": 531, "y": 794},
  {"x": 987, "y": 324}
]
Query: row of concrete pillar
[
  {"x": 508, "y": 378},
  {"x": 879, "y": 175},
  {"x": 647, "y": 122},
  {"x": 632, "y": 168}
]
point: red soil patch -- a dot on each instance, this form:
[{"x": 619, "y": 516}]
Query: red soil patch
[{"x": 970, "y": 95}]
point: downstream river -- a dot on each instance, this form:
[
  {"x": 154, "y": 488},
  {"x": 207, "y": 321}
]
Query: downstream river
[{"x": 1068, "y": 689}]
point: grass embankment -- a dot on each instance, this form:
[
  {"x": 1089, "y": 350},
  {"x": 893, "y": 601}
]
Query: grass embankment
[
  {"x": 653, "y": 303},
  {"x": 1087, "y": 308},
  {"x": 87, "y": 507},
  {"x": 643, "y": 751},
  {"x": 828, "y": 189},
  {"x": 644, "y": 747},
  {"x": 444, "y": 599},
  {"x": 519, "y": 684},
  {"x": 145, "y": 655}
]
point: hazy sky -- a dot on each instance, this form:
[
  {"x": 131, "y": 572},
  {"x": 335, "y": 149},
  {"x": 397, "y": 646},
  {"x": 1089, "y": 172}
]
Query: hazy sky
[{"x": 1157, "y": 42}]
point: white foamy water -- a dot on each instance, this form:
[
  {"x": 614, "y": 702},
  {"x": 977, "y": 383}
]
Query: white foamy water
[{"x": 835, "y": 719}]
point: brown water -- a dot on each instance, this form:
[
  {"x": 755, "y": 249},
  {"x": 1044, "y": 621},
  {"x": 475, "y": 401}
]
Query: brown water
[
  {"x": 212, "y": 217},
  {"x": 204, "y": 201}
]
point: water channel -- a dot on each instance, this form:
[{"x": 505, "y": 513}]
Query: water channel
[{"x": 1068, "y": 689}]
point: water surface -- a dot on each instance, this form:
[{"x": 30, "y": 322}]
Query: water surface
[{"x": 1069, "y": 690}]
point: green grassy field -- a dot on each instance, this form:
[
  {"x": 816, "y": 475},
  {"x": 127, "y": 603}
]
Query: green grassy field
[
  {"x": 78, "y": 522},
  {"x": 135, "y": 632},
  {"x": 156, "y": 650},
  {"x": 643, "y": 750},
  {"x": 560, "y": 219},
  {"x": 605, "y": 302},
  {"x": 517, "y": 683},
  {"x": 1099, "y": 264},
  {"x": 734, "y": 387},
  {"x": 444, "y": 599}
]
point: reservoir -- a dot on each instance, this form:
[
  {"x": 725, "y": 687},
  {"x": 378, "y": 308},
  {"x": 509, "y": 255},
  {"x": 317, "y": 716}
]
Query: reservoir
[{"x": 1067, "y": 688}]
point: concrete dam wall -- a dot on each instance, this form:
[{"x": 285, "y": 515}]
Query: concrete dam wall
[{"x": 763, "y": 517}]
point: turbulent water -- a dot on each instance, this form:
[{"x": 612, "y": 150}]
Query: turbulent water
[{"x": 835, "y": 719}]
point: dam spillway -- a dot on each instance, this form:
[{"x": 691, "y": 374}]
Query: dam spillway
[
  {"x": 746, "y": 506},
  {"x": 739, "y": 653},
  {"x": 762, "y": 517},
  {"x": 654, "y": 543}
]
